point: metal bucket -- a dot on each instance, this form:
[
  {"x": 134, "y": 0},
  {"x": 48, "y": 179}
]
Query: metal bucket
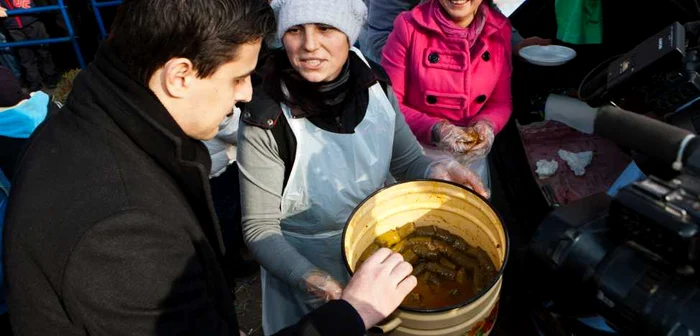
[{"x": 451, "y": 207}]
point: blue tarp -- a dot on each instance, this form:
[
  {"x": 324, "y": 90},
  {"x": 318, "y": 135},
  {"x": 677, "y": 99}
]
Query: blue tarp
[{"x": 20, "y": 121}]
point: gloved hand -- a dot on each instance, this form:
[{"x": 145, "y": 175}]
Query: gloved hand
[
  {"x": 486, "y": 135},
  {"x": 451, "y": 170},
  {"x": 453, "y": 139},
  {"x": 322, "y": 287}
]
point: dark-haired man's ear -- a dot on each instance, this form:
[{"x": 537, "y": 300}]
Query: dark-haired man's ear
[{"x": 177, "y": 76}]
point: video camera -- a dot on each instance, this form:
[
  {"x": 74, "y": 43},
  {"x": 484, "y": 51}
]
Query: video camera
[
  {"x": 634, "y": 259},
  {"x": 661, "y": 76}
]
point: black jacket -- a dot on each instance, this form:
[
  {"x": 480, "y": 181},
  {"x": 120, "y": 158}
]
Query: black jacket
[{"x": 111, "y": 228}]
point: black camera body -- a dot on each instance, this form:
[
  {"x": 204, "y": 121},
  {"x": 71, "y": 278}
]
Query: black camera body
[
  {"x": 662, "y": 216},
  {"x": 634, "y": 258}
]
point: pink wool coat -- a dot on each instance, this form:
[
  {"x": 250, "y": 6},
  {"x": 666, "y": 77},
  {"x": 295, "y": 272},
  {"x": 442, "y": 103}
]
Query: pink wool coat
[{"x": 438, "y": 76}]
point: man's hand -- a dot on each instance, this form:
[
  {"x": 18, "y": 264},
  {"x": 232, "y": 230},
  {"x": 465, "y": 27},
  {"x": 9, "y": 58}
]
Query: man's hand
[
  {"x": 535, "y": 40},
  {"x": 379, "y": 286},
  {"x": 3, "y": 12}
]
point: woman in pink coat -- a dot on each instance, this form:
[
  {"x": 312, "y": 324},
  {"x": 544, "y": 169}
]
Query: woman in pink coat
[{"x": 450, "y": 66}]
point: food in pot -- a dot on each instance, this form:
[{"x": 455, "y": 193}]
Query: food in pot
[
  {"x": 440, "y": 270},
  {"x": 410, "y": 256},
  {"x": 368, "y": 253},
  {"x": 448, "y": 269},
  {"x": 388, "y": 239},
  {"x": 399, "y": 247},
  {"x": 406, "y": 230}
]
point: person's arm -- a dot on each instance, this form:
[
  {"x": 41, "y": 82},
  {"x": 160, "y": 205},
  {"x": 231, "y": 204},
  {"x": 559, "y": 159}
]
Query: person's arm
[
  {"x": 407, "y": 160},
  {"x": 337, "y": 317},
  {"x": 262, "y": 179},
  {"x": 395, "y": 63},
  {"x": 380, "y": 23},
  {"x": 135, "y": 274},
  {"x": 515, "y": 39},
  {"x": 499, "y": 106}
]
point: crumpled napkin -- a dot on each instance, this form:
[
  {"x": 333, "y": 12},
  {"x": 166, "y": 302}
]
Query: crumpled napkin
[
  {"x": 577, "y": 162},
  {"x": 546, "y": 168}
]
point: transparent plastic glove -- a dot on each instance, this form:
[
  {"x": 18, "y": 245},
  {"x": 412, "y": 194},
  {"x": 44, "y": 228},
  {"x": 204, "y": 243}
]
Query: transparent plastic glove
[
  {"x": 454, "y": 139},
  {"x": 379, "y": 286},
  {"x": 451, "y": 170},
  {"x": 486, "y": 136},
  {"x": 322, "y": 287}
]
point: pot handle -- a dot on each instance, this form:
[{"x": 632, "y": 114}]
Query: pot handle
[{"x": 386, "y": 327}]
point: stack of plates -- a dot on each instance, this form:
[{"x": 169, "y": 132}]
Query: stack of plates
[{"x": 550, "y": 55}]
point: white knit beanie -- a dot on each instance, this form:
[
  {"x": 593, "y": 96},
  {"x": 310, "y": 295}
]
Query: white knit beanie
[{"x": 348, "y": 16}]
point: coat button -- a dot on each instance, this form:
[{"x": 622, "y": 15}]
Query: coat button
[
  {"x": 246, "y": 115},
  {"x": 434, "y": 58},
  {"x": 486, "y": 56},
  {"x": 431, "y": 100},
  {"x": 270, "y": 122},
  {"x": 481, "y": 99}
]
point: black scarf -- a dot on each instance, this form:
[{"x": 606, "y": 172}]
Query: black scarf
[{"x": 337, "y": 102}]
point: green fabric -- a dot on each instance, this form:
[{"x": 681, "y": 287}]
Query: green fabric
[{"x": 579, "y": 21}]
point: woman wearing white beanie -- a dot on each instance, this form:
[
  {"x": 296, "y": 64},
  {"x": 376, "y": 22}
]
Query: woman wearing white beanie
[{"x": 322, "y": 133}]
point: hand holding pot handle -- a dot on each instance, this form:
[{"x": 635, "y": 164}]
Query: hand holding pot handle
[{"x": 379, "y": 286}]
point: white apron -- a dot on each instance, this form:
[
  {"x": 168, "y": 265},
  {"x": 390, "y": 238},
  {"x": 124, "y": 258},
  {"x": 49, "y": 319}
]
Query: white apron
[{"x": 332, "y": 174}]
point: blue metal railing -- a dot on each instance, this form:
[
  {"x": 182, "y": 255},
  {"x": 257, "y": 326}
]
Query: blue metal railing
[
  {"x": 71, "y": 33},
  {"x": 96, "y": 5}
]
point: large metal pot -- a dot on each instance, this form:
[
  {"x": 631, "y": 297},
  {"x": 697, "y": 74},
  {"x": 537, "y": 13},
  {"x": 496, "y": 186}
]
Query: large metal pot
[{"x": 451, "y": 207}]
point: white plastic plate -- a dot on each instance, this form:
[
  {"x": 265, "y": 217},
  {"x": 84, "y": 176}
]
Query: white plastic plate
[{"x": 550, "y": 55}]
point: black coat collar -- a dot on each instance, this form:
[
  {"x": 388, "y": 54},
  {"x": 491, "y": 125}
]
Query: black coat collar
[{"x": 107, "y": 86}]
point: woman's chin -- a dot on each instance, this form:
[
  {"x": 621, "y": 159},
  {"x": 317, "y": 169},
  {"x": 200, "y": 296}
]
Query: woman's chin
[{"x": 313, "y": 76}]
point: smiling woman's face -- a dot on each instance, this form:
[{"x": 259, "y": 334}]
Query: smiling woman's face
[{"x": 316, "y": 51}]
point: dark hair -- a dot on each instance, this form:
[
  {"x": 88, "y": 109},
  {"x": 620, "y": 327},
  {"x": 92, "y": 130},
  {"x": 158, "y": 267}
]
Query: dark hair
[{"x": 147, "y": 33}]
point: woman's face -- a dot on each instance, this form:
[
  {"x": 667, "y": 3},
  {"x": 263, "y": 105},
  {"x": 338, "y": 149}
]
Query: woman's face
[
  {"x": 316, "y": 51},
  {"x": 461, "y": 11}
]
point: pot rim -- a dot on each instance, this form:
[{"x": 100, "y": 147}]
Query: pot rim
[{"x": 478, "y": 295}]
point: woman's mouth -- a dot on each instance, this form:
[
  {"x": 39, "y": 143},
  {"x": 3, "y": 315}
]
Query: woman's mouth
[
  {"x": 458, "y": 2},
  {"x": 311, "y": 63}
]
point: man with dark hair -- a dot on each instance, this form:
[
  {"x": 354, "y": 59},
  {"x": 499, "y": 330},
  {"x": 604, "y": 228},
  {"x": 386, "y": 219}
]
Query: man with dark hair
[{"x": 110, "y": 227}]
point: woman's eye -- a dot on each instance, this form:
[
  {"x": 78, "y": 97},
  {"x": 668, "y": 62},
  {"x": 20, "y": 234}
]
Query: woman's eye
[{"x": 293, "y": 30}]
